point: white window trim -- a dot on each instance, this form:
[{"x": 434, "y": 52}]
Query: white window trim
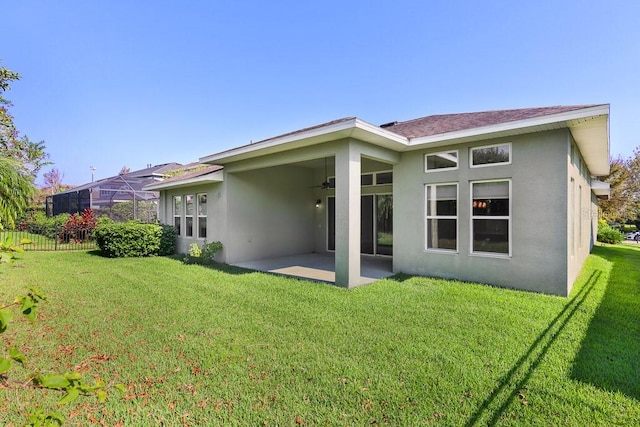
[
  {"x": 198, "y": 216},
  {"x": 456, "y": 167},
  {"x": 472, "y": 149},
  {"x": 192, "y": 216},
  {"x": 173, "y": 211},
  {"x": 428, "y": 217},
  {"x": 509, "y": 218}
]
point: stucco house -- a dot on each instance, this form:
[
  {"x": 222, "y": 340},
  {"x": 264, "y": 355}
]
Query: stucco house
[{"x": 507, "y": 197}]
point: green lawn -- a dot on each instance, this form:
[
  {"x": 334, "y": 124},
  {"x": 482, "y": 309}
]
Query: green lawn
[{"x": 200, "y": 346}]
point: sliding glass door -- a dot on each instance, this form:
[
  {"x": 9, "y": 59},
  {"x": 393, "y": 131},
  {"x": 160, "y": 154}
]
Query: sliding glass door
[{"x": 376, "y": 224}]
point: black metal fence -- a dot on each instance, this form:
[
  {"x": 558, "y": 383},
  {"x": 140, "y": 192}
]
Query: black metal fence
[{"x": 54, "y": 240}]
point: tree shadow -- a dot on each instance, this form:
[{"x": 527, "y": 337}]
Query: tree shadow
[
  {"x": 609, "y": 356},
  {"x": 529, "y": 361}
]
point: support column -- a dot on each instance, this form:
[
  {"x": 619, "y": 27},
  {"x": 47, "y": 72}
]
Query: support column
[{"x": 347, "y": 256}]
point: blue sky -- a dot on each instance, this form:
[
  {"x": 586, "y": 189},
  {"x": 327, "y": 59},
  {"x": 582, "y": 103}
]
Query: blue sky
[{"x": 109, "y": 83}]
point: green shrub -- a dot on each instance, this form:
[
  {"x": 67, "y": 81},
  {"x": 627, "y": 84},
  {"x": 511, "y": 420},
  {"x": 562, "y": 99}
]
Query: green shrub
[
  {"x": 607, "y": 234},
  {"x": 202, "y": 255},
  {"x": 39, "y": 223},
  {"x": 129, "y": 239},
  {"x": 168, "y": 239}
]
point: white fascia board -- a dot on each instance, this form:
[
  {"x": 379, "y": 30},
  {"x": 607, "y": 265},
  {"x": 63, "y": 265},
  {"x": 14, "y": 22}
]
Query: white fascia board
[
  {"x": 216, "y": 176},
  {"x": 504, "y": 128},
  {"x": 349, "y": 128},
  {"x": 601, "y": 189},
  {"x": 246, "y": 150}
]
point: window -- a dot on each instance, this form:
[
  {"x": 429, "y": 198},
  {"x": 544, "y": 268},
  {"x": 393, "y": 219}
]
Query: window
[
  {"x": 491, "y": 155},
  {"x": 441, "y": 161},
  {"x": 491, "y": 217},
  {"x": 381, "y": 178},
  {"x": 441, "y": 216},
  {"x": 177, "y": 212},
  {"x": 202, "y": 215},
  {"x": 366, "y": 179},
  {"x": 188, "y": 215},
  {"x": 384, "y": 178}
]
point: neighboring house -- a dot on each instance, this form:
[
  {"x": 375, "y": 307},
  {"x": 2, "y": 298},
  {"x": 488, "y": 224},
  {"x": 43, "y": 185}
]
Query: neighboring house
[
  {"x": 499, "y": 197},
  {"x": 105, "y": 193}
]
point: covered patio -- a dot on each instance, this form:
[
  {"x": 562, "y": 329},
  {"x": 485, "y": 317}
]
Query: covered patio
[{"x": 320, "y": 267}]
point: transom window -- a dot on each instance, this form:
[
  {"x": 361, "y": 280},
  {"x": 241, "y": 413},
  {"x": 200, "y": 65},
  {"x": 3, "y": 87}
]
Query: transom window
[
  {"x": 368, "y": 179},
  {"x": 490, "y": 155},
  {"x": 441, "y": 161},
  {"x": 491, "y": 217},
  {"x": 441, "y": 217}
]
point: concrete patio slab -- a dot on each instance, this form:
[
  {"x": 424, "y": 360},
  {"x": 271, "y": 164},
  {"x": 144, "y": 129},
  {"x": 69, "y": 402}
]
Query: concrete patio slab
[{"x": 320, "y": 267}]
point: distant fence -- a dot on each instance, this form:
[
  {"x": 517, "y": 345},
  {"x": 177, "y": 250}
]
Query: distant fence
[{"x": 78, "y": 240}]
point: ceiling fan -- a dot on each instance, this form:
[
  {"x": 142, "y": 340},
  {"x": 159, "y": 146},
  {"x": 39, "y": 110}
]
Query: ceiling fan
[{"x": 325, "y": 184}]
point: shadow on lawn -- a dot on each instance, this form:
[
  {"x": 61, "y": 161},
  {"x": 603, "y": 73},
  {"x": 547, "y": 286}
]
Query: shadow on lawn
[
  {"x": 529, "y": 361},
  {"x": 609, "y": 357}
]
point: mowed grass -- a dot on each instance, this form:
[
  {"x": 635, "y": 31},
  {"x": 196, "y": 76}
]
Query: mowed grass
[{"x": 226, "y": 346}]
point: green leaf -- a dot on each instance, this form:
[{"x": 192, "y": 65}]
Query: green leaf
[
  {"x": 5, "y": 365},
  {"x": 53, "y": 381},
  {"x": 25, "y": 241},
  {"x": 120, "y": 387},
  {"x": 5, "y": 318},
  {"x": 73, "y": 376},
  {"x": 15, "y": 354},
  {"x": 72, "y": 394},
  {"x": 29, "y": 308},
  {"x": 37, "y": 292},
  {"x": 102, "y": 396}
]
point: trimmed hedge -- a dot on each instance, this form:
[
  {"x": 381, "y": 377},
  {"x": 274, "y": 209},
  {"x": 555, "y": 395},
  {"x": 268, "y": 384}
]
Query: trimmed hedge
[{"x": 134, "y": 239}]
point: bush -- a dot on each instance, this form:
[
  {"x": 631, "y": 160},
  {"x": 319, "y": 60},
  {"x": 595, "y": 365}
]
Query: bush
[
  {"x": 79, "y": 228},
  {"x": 607, "y": 234},
  {"x": 133, "y": 239},
  {"x": 40, "y": 223},
  {"x": 168, "y": 240},
  {"x": 204, "y": 255}
]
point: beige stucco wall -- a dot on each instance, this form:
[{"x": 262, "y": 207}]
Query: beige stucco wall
[
  {"x": 538, "y": 174},
  {"x": 270, "y": 213},
  {"x": 216, "y": 214}
]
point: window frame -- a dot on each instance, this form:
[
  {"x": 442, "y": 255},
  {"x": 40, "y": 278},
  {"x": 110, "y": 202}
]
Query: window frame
[
  {"x": 199, "y": 216},
  {"x": 189, "y": 232},
  {"x": 509, "y": 219},
  {"x": 427, "y": 217},
  {"x": 456, "y": 167},
  {"x": 484, "y": 165},
  {"x": 176, "y": 214}
]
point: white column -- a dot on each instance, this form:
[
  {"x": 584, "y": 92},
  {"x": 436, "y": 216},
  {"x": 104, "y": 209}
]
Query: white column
[{"x": 347, "y": 261}]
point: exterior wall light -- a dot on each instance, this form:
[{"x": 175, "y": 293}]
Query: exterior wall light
[{"x": 318, "y": 203}]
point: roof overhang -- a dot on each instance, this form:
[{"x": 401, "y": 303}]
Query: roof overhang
[
  {"x": 602, "y": 190},
  {"x": 216, "y": 176},
  {"x": 349, "y": 128},
  {"x": 589, "y": 127}
]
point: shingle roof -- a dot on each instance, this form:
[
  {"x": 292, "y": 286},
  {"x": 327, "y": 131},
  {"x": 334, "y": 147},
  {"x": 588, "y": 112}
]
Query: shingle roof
[
  {"x": 199, "y": 171},
  {"x": 444, "y": 123}
]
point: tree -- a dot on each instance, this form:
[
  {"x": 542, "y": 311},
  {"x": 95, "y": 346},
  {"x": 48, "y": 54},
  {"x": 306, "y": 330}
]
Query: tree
[
  {"x": 624, "y": 180},
  {"x": 20, "y": 159},
  {"x": 31, "y": 156},
  {"x": 16, "y": 191},
  {"x": 53, "y": 181}
]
